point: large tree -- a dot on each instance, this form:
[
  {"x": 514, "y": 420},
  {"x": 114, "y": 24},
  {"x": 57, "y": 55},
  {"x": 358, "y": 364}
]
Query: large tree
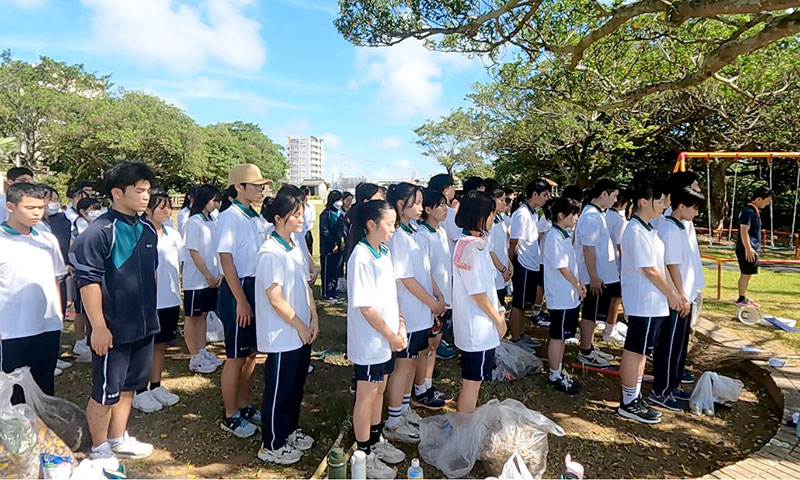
[{"x": 456, "y": 141}]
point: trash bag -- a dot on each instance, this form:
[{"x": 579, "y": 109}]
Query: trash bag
[
  {"x": 515, "y": 469},
  {"x": 512, "y": 427},
  {"x": 215, "y": 332},
  {"x": 513, "y": 362},
  {"x": 453, "y": 442},
  {"x": 713, "y": 387},
  {"x": 23, "y": 435}
]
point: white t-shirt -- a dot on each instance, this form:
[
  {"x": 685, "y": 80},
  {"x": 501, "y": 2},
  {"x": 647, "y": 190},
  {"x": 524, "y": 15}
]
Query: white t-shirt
[
  {"x": 241, "y": 233},
  {"x": 558, "y": 253},
  {"x": 71, "y": 213},
  {"x": 183, "y": 217},
  {"x": 498, "y": 243},
  {"x": 592, "y": 231},
  {"x": 170, "y": 253},
  {"x": 201, "y": 236},
  {"x": 473, "y": 273},
  {"x": 641, "y": 248},
  {"x": 679, "y": 250},
  {"x": 616, "y": 221},
  {"x": 451, "y": 229},
  {"x": 309, "y": 215},
  {"x": 29, "y": 297},
  {"x": 409, "y": 261},
  {"x": 370, "y": 283},
  {"x": 283, "y": 264},
  {"x": 524, "y": 227},
  {"x": 436, "y": 247}
]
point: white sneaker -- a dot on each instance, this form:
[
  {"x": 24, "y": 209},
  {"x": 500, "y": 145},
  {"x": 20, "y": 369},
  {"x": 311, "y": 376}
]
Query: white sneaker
[
  {"x": 57, "y": 371},
  {"x": 402, "y": 432},
  {"x": 412, "y": 417},
  {"x": 80, "y": 347},
  {"x": 377, "y": 469},
  {"x": 622, "y": 328},
  {"x": 601, "y": 325},
  {"x": 300, "y": 441},
  {"x": 132, "y": 448},
  {"x": 604, "y": 355},
  {"x": 211, "y": 357},
  {"x": 103, "y": 457},
  {"x": 199, "y": 364},
  {"x": 387, "y": 452},
  {"x": 286, "y": 455},
  {"x": 145, "y": 402},
  {"x": 85, "y": 357},
  {"x": 593, "y": 359},
  {"x": 164, "y": 396},
  {"x": 62, "y": 364},
  {"x": 613, "y": 335}
]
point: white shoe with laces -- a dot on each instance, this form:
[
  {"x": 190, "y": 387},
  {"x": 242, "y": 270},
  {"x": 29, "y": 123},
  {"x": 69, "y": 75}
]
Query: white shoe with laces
[
  {"x": 164, "y": 396},
  {"x": 402, "y": 432},
  {"x": 387, "y": 452},
  {"x": 412, "y": 417},
  {"x": 61, "y": 364},
  {"x": 146, "y": 403},
  {"x": 593, "y": 359},
  {"x": 57, "y": 372},
  {"x": 211, "y": 357},
  {"x": 614, "y": 335},
  {"x": 300, "y": 441},
  {"x": 200, "y": 364},
  {"x": 131, "y": 448},
  {"x": 286, "y": 455},
  {"x": 377, "y": 469},
  {"x": 80, "y": 347}
]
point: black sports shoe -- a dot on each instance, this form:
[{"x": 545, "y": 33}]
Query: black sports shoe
[
  {"x": 638, "y": 410},
  {"x": 441, "y": 395},
  {"x": 541, "y": 319},
  {"x": 681, "y": 394},
  {"x": 687, "y": 377},
  {"x": 666, "y": 401},
  {"x": 565, "y": 384},
  {"x": 427, "y": 400}
]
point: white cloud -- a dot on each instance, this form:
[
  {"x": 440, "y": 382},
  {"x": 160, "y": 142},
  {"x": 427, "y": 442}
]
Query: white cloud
[
  {"x": 295, "y": 126},
  {"x": 24, "y": 3},
  {"x": 332, "y": 141},
  {"x": 388, "y": 143},
  {"x": 401, "y": 164},
  {"x": 408, "y": 77},
  {"x": 177, "y": 35}
]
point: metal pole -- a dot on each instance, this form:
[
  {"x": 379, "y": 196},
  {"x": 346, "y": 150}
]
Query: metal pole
[
  {"x": 708, "y": 197},
  {"x": 796, "y": 192},
  {"x": 771, "y": 210},
  {"x": 733, "y": 202}
]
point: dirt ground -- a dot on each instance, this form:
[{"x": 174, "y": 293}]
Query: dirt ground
[{"x": 190, "y": 444}]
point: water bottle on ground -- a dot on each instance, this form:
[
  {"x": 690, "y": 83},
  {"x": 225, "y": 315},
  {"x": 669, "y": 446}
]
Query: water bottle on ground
[
  {"x": 415, "y": 471},
  {"x": 358, "y": 465}
]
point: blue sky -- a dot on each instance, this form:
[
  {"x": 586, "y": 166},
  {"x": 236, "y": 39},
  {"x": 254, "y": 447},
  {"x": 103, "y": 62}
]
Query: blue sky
[{"x": 278, "y": 63}]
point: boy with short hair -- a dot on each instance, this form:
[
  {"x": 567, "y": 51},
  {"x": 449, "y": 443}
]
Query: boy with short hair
[
  {"x": 748, "y": 242},
  {"x": 115, "y": 261},
  {"x": 523, "y": 250},
  {"x": 30, "y": 303},
  {"x": 14, "y": 175},
  {"x": 241, "y": 232},
  {"x": 82, "y": 189}
]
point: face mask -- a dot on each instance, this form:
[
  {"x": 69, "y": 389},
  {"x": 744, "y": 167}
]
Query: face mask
[
  {"x": 337, "y": 204},
  {"x": 93, "y": 215},
  {"x": 52, "y": 208}
]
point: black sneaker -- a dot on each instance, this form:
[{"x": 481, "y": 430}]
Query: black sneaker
[
  {"x": 681, "y": 394},
  {"x": 541, "y": 319},
  {"x": 251, "y": 414},
  {"x": 565, "y": 384},
  {"x": 427, "y": 400},
  {"x": 665, "y": 401},
  {"x": 687, "y": 377},
  {"x": 638, "y": 410},
  {"x": 441, "y": 395}
]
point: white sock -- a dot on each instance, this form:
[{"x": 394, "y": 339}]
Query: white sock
[
  {"x": 537, "y": 309},
  {"x": 406, "y": 401},
  {"x": 420, "y": 389},
  {"x": 638, "y": 386},
  {"x": 628, "y": 395},
  {"x": 555, "y": 374},
  {"x": 102, "y": 446},
  {"x": 113, "y": 442},
  {"x": 395, "y": 414},
  {"x": 428, "y": 383}
]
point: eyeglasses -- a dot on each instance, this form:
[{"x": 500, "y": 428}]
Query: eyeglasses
[{"x": 259, "y": 186}]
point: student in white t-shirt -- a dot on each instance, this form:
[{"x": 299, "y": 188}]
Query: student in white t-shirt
[
  {"x": 647, "y": 296},
  {"x": 201, "y": 277},
  {"x": 30, "y": 304},
  {"x": 444, "y": 183},
  {"x": 185, "y": 212},
  {"x": 375, "y": 327},
  {"x": 419, "y": 299},
  {"x": 564, "y": 289},
  {"x": 682, "y": 258},
  {"x": 498, "y": 247},
  {"x": 432, "y": 239},
  {"x": 241, "y": 233},
  {"x": 286, "y": 326},
  {"x": 617, "y": 220},
  {"x": 154, "y": 397},
  {"x": 523, "y": 250},
  {"x": 13, "y": 175},
  {"x": 478, "y": 321}
]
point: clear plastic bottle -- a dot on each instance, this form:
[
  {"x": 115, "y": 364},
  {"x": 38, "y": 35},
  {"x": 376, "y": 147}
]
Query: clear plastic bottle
[{"x": 415, "y": 471}]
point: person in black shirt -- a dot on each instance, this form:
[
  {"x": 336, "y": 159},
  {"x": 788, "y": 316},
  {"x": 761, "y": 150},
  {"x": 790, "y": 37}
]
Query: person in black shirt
[{"x": 748, "y": 243}]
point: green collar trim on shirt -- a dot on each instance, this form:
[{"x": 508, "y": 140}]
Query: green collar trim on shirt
[
  {"x": 164, "y": 228},
  {"x": 12, "y": 231},
  {"x": 676, "y": 222},
  {"x": 533, "y": 212},
  {"x": 497, "y": 219},
  {"x": 645, "y": 225},
  {"x": 409, "y": 229},
  {"x": 203, "y": 216},
  {"x": 561, "y": 231},
  {"x": 247, "y": 211},
  {"x": 598, "y": 208},
  {"x": 288, "y": 246},
  {"x": 381, "y": 251},
  {"x": 468, "y": 233},
  {"x": 428, "y": 227}
]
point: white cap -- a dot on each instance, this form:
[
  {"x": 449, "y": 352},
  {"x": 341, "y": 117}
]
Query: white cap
[{"x": 415, "y": 462}]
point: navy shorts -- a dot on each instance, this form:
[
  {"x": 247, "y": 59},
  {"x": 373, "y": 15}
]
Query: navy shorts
[
  {"x": 417, "y": 342},
  {"x": 77, "y": 304},
  {"x": 477, "y": 366},
  {"x": 125, "y": 368},
  {"x": 525, "y": 283},
  {"x": 373, "y": 373},
  {"x": 39, "y": 352},
  {"x": 595, "y": 308},
  {"x": 198, "y": 302},
  {"x": 563, "y": 323},
  {"x": 642, "y": 333},
  {"x": 239, "y": 341},
  {"x": 746, "y": 267},
  {"x": 168, "y": 320}
]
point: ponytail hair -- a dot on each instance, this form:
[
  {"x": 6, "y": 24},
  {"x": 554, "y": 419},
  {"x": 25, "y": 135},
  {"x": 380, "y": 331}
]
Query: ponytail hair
[
  {"x": 362, "y": 213},
  {"x": 227, "y": 195},
  {"x": 283, "y": 205},
  {"x": 402, "y": 192}
]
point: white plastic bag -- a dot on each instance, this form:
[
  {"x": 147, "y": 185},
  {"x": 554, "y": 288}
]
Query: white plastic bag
[
  {"x": 515, "y": 469},
  {"x": 215, "y": 332},
  {"x": 513, "y": 362},
  {"x": 451, "y": 442},
  {"x": 713, "y": 387}
]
